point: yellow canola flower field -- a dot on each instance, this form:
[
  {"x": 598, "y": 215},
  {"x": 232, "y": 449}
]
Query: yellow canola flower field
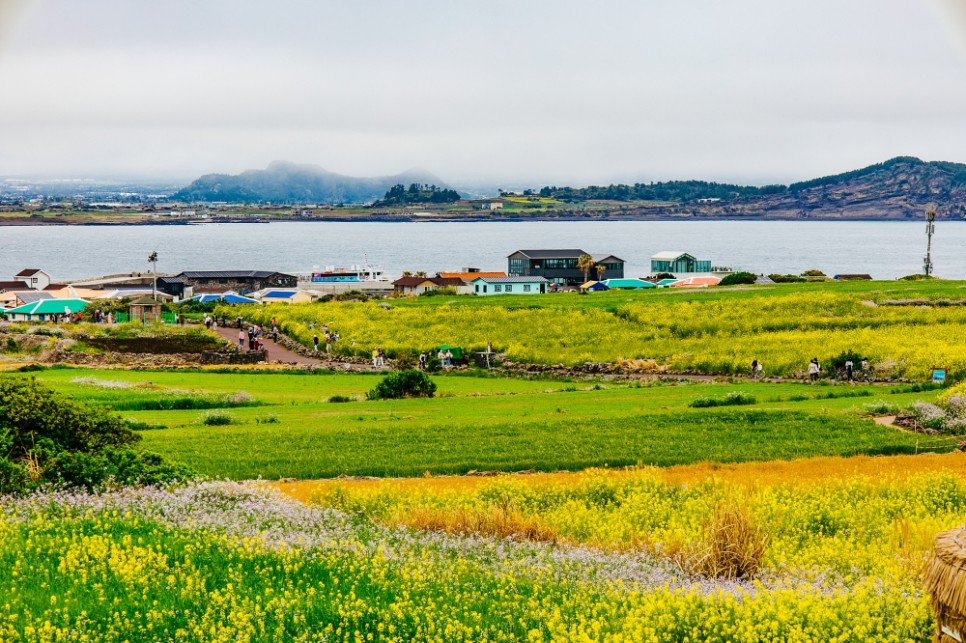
[
  {"x": 219, "y": 561},
  {"x": 717, "y": 332}
]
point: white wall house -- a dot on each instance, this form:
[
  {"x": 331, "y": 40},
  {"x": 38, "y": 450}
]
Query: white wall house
[{"x": 486, "y": 286}]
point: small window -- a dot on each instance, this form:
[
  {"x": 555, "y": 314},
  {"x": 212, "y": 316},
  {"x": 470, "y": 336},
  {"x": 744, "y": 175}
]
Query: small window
[
  {"x": 508, "y": 288},
  {"x": 477, "y": 287},
  {"x": 497, "y": 288},
  {"x": 526, "y": 287}
]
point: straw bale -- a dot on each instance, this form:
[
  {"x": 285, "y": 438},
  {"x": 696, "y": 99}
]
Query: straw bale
[{"x": 945, "y": 580}]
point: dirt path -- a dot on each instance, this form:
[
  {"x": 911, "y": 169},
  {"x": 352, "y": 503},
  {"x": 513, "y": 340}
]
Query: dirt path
[
  {"x": 279, "y": 354},
  {"x": 276, "y": 352}
]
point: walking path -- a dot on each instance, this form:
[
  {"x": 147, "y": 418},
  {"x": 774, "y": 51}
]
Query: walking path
[{"x": 278, "y": 353}]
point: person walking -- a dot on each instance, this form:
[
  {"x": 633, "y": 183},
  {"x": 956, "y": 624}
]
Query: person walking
[
  {"x": 759, "y": 369},
  {"x": 849, "y": 366},
  {"x": 754, "y": 368},
  {"x": 241, "y": 338},
  {"x": 422, "y": 361},
  {"x": 315, "y": 343},
  {"x": 813, "y": 370}
]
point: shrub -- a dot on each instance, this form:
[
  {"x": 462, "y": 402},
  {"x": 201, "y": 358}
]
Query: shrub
[
  {"x": 786, "y": 279},
  {"x": 338, "y": 399},
  {"x": 734, "y": 398},
  {"x": 217, "y": 418},
  {"x": 400, "y": 384},
  {"x": 47, "y": 438},
  {"x": 405, "y": 360},
  {"x": 738, "y": 278}
]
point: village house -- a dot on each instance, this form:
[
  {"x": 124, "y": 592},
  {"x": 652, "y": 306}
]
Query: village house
[
  {"x": 34, "y": 278},
  {"x": 678, "y": 263},
  {"x": 190, "y": 282},
  {"x": 419, "y": 285},
  {"x": 283, "y": 296},
  {"x": 46, "y": 309},
  {"x": 561, "y": 266},
  {"x": 486, "y": 286}
]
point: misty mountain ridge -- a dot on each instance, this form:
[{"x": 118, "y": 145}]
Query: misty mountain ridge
[{"x": 293, "y": 183}]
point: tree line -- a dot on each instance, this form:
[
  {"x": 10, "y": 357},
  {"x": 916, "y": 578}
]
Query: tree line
[{"x": 417, "y": 193}]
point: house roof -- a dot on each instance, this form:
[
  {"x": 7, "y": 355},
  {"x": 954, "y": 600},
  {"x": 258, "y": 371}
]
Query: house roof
[
  {"x": 696, "y": 282},
  {"x": 593, "y": 285},
  {"x": 227, "y": 297},
  {"x": 409, "y": 282},
  {"x": 607, "y": 259},
  {"x": 50, "y": 307},
  {"x": 627, "y": 283},
  {"x": 667, "y": 282},
  {"x": 764, "y": 279},
  {"x": 512, "y": 280},
  {"x": 551, "y": 254},
  {"x": 230, "y": 274},
  {"x": 171, "y": 280},
  {"x": 469, "y": 276},
  {"x": 279, "y": 294},
  {"x": 28, "y": 272},
  {"x": 448, "y": 281},
  {"x": 670, "y": 255},
  {"x": 56, "y": 287},
  {"x": 31, "y": 297},
  {"x": 13, "y": 285}
]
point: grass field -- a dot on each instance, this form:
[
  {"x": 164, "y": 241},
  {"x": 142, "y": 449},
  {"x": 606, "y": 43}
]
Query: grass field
[{"x": 284, "y": 426}]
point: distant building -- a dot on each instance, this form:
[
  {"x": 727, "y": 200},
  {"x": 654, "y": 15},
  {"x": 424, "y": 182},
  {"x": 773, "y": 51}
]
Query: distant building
[
  {"x": 486, "y": 286},
  {"x": 419, "y": 285},
  {"x": 560, "y": 266},
  {"x": 34, "y": 278},
  {"x": 678, "y": 262},
  {"x": 210, "y": 281}
]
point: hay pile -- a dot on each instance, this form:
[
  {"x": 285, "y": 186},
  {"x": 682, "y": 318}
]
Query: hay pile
[{"x": 945, "y": 580}]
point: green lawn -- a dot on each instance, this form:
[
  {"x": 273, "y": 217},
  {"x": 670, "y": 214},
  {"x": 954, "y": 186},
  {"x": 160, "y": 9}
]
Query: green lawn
[{"x": 289, "y": 429}]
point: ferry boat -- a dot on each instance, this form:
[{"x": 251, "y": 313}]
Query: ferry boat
[{"x": 352, "y": 274}]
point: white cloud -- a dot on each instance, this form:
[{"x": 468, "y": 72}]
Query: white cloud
[{"x": 546, "y": 91}]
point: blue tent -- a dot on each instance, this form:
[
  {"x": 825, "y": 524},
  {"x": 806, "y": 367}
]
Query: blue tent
[{"x": 227, "y": 297}]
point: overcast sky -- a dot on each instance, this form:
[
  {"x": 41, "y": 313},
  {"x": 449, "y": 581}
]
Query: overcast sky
[{"x": 518, "y": 92}]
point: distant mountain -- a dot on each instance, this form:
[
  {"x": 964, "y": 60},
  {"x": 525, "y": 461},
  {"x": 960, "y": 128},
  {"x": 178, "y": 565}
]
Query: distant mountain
[
  {"x": 291, "y": 183},
  {"x": 896, "y": 189}
]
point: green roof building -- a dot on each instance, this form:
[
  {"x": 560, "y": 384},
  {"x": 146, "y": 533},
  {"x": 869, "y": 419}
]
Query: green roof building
[{"x": 46, "y": 309}]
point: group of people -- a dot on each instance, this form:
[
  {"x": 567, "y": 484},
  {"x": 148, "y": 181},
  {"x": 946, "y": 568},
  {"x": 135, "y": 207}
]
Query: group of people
[
  {"x": 814, "y": 368},
  {"x": 445, "y": 357},
  {"x": 378, "y": 357},
  {"x": 254, "y": 336},
  {"x": 330, "y": 338}
]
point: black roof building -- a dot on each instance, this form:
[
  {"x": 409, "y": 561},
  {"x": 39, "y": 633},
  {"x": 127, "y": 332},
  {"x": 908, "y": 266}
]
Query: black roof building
[
  {"x": 240, "y": 281},
  {"x": 560, "y": 266}
]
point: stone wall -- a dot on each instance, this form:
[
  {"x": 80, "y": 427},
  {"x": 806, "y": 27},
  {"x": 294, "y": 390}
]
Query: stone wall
[{"x": 234, "y": 357}]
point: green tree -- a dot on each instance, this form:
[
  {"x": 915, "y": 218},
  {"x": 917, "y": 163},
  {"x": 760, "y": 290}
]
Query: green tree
[{"x": 585, "y": 263}]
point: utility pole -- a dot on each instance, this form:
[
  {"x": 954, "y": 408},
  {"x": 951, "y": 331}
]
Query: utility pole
[{"x": 930, "y": 229}]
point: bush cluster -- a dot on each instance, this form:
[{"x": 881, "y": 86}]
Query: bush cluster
[
  {"x": 46, "y": 438},
  {"x": 400, "y": 384},
  {"x": 734, "y": 398}
]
